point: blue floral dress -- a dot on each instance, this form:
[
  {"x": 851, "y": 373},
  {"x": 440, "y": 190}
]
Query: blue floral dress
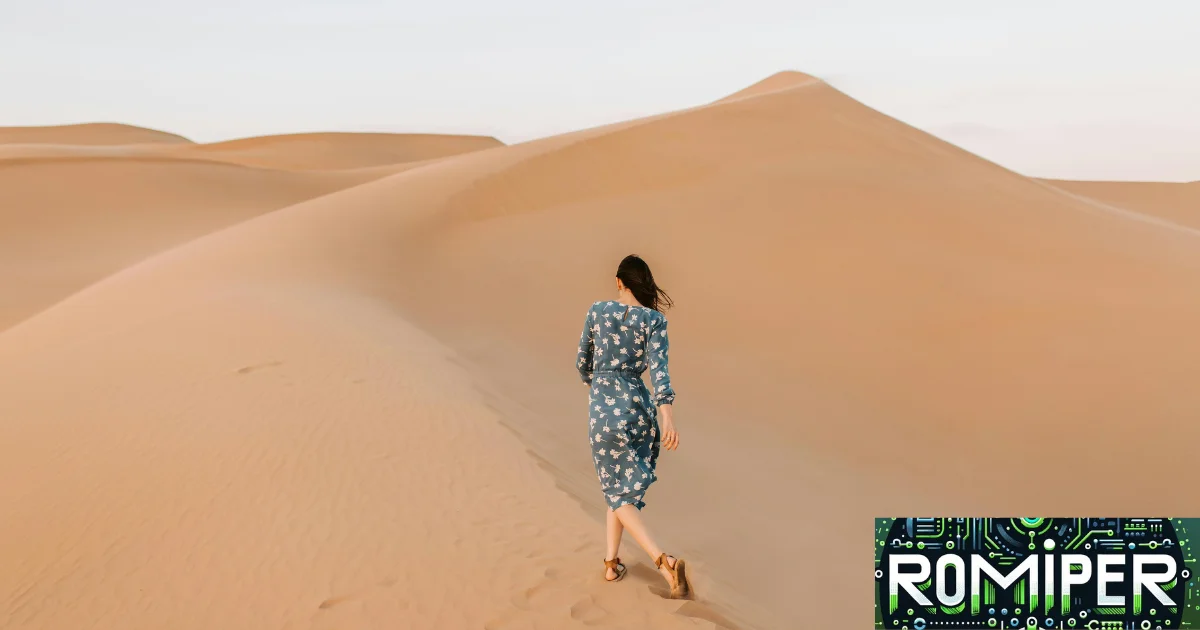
[{"x": 618, "y": 344}]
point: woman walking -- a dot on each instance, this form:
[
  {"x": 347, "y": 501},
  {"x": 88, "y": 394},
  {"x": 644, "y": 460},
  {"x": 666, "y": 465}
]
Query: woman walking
[{"x": 629, "y": 423}]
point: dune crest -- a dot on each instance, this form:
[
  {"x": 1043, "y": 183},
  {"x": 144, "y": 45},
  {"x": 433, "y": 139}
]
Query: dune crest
[
  {"x": 88, "y": 134},
  {"x": 1178, "y": 203},
  {"x": 338, "y": 151},
  {"x": 66, "y": 222},
  {"x": 144, "y": 198},
  {"x": 296, "y": 420},
  {"x": 230, "y": 493},
  {"x": 786, "y": 80}
]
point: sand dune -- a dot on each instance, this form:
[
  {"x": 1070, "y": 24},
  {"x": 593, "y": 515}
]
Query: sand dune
[
  {"x": 294, "y": 455},
  {"x": 273, "y": 456},
  {"x": 124, "y": 202},
  {"x": 68, "y": 222},
  {"x": 28, "y": 152},
  {"x": 862, "y": 302},
  {"x": 296, "y": 422},
  {"x": 301, "y": 152},
  {"x": 775, "y": 83},
  {"x": 332, "y": 151},
  {"x": 1179, "y": 203},
  {"x": 87, "y": 134}
]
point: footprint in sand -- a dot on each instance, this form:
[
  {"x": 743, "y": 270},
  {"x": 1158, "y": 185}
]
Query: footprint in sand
[
  {"x": 653, "y": 579},
  {"x": 696, "y": 610},
  {"x": 349, "y": 597},
  {"x": 588, "y": 611},
  {"x": 524, "y": 599},
  {"x": 260, "y": 366}
]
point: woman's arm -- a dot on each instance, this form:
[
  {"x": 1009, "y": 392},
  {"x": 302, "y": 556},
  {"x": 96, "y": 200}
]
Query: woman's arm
[
  {"x": 660, "y": 378},
  {"x": 587, "y": 347},
  {"x": 658, "y": 351}
]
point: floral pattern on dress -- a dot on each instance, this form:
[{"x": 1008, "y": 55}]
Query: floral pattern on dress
[{"x": 619, "y": 343}]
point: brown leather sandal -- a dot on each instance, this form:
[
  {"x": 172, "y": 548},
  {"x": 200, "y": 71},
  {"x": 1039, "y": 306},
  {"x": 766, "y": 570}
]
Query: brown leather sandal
[
  {"x": 617, "y": 567},
  {"x": 682, "y": 588}
]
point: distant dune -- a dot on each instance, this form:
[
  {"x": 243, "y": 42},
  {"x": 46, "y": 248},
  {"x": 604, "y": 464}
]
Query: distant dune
[
  {"x": 87, "y": 134},
  {"x": 68, "y": 223},
  {"x": 74, "y": 213},
  {"x": 360, "y": 410},
  {"x": 326, "y": 151}
]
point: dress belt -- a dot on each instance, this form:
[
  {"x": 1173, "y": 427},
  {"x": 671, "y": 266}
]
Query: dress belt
[{"x": 620, "y": 372}]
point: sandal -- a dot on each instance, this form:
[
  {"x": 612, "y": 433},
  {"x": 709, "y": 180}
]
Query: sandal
[
  {"x": 682, "y": 588},
  {"x": 617, "y": 567}
]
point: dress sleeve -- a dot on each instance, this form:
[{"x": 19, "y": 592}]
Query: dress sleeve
[
  {"x": 587, "y": 347},
  {"x": 659, "y": 370}
]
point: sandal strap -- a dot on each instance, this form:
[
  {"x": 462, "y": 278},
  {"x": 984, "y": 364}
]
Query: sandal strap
[
  {"x": 660, "y": 561},
  {"x": 612, "y": 564}
]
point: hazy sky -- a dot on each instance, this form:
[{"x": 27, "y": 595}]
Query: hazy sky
[{"x": 1089, "y": 88}]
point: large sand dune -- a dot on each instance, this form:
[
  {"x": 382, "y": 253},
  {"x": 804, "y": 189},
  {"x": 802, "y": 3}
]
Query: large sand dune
[{"x": 299, "y": 421}]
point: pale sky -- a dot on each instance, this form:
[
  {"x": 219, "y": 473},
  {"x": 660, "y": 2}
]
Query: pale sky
[{"x": 1090, "y": 89}]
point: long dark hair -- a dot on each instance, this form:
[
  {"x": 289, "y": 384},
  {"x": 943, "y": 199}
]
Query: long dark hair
[{"x": 635, "y": 274}]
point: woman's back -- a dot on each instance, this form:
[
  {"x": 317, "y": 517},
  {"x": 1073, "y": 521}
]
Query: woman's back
[
  {"x": 624, "y": 339},
  {"x": 621, "y": 333}
]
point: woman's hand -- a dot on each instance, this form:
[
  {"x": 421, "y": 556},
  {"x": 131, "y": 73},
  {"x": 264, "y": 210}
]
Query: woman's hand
[{"x": 666, "y": 423}]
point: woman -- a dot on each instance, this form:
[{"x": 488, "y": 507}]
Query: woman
[{"x": 628, "y": 423}]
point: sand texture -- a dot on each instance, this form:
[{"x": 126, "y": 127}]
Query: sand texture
[{"x": 327, "y": 381}]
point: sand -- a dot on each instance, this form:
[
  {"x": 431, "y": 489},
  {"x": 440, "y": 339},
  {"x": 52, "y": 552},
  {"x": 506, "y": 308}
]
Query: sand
[
  {"x": 88, "y": 134},
  {"x": 75, "y": 213},
  {"x": 1177, "y": 203},
  {"x": 360, "y": 409},
  {"x": 336, "y": 151}
]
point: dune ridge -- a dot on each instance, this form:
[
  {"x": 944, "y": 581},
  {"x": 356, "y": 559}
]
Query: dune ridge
[
  {"x": 778, "y": 82},
  {"x": 56, "y": 241},
  {"x": 148, "y": 197},
  {"x": 1178, "y": 203},
  {"x": 88, "y": 134},
  {"x": 329, "y": 151},
  {"x": 869, "y": 321},
  {"x": 301, "y": 152}
]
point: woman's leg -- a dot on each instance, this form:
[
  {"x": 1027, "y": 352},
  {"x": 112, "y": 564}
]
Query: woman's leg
[
  {"x": 631, "y": 519},
  {"x": 614, "y": 541}
]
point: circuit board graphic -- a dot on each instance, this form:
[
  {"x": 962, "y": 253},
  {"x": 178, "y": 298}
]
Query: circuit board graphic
[{"x": 1007, "y": 543}]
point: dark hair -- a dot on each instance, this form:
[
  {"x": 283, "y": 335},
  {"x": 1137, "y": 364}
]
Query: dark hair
[{"x": 635, "y": 274}]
